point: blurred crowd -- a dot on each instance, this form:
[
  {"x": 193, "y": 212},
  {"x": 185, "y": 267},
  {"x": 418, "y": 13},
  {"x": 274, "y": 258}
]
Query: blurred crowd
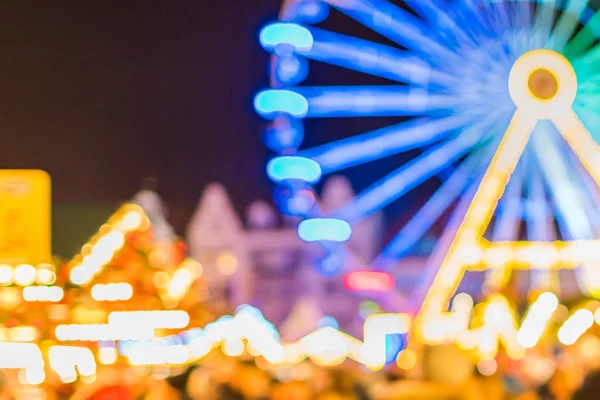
[{"x": 222, "y": 378}]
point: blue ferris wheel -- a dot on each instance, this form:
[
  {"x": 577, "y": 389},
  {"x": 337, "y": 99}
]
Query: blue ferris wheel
[{"x": 447, "y": 76}]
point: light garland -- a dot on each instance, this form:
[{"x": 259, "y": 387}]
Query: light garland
[
  {"x": 52, "y": 294},
  {"x": 249, "y": 331},
  {"x": 26, "y": 275},
  {"x": 102, "y": 248},
  {"x": 112, "y": 292}
]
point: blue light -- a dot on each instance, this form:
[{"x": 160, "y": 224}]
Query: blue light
[
  {"x": 331, "y": 265},
  {"x": 324, "y": 229},
  {"x": 328, "y": 321},
  {"x": 396, "y": 24},
  {"x": 374, "y": 58},
  {"x": 284, "y": 134},
  {"x": 270, "y": 102},
  {"x": 294, "y": 198},
  {"x": 312, "y": 12},
  {"x": 304, "y": 169},
  {"x": 301, "y": 203},
  {"x": 373, "y": 101},
  {"x": 393, "y": 346},
  {"x": 416, "y": 172},
  {"x": 439, "y": 202},
  {"x": 383, "y": 142},
  {"x": 290, "y": 70},
  {"x": 285, "y": 33}
]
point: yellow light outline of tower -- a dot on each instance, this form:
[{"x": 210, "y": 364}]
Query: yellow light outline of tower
[{"x": 469, "y": 250}]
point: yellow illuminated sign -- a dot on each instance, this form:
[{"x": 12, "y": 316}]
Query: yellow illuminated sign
[{"x": 24, "y": 217}]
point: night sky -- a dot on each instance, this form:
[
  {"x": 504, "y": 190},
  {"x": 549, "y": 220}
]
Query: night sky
[{"x": 103, "y": 93}]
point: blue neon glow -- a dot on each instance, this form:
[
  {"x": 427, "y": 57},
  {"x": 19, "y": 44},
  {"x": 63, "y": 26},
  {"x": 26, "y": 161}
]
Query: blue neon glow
[
  {"x": 286, "y": 33},
  {"x": 433, "y": 209},
  {"x": 290, "y": 70},
  {"x": 538, "y": 224},
  {"x": 304, "y": 169},
  {"x": 372, "y": 101},
  {"x": 311, "y": 12},
  {"x": 332, "y": 264},
  {"x": 448, "y": 30},
  {"x": 284, "y": 134},
  {"x": 393, "y": 346},
  {"x": 586, "y": 189},
  {"x": 564, "y": 196},
  {"x": 396, "y": 24},
  {"x": 271, "y": 102},
  {"x": 414, "y": 173},
  {"x": 324, "y": 229},
  {"x": 507, "y": 223},
  {"x": 384, "y": 142},
  {"x": 300, "y": 204},
  {"x": 373, "y": 58}
]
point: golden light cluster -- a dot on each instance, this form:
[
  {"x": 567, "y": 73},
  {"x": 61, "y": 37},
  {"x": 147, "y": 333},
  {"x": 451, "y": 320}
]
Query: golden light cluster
[
  {"x": 26, "y": 275},
  {"x": 96, "y": 254},
  {"x": 487, "y": 255},
  {"x": 52, "y": 294},
  {"x": 112, "y": 292}
]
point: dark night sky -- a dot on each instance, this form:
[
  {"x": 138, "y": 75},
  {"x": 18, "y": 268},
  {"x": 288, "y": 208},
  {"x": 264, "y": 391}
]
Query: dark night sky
[{"x": 103, "y": 93}]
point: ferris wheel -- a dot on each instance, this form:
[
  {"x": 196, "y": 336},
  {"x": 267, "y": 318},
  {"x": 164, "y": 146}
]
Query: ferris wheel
[{"x": 447, "y": 65}]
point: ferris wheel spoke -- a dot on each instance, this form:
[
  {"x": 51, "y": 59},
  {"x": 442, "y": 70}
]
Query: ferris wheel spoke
[
  {"x": 538, "y": 218},
  {"x": 373, "y": 58},
  {"x": 500, "y": 11},
  {"x": 507, "y": 225},
  {"x": 446, "y": 28},
  {"x": 567, "y": 24},
  {"x": 383, "y": 142},
  {"x": 586, "y": 66},
  {"x": 524, "y": 15},
  {"x": 470, "y": 20},
  {"x": 394, "y": 23},
  {"x": 507, "y": 222},
  {"x": 554, "y": 169},
  {"x": 585, "y": 38},
  {"x": 373, "y": 101},
  {"x": 417, "y": 171},
  {"x": 572, "y": 219},
  {"x": 588, "y": 193},
  {"x": 587, "y": 88},
  {"x": 435, "y": 207},
  {"x": 419, "y": 294},
  {"x": 544, "y": 19},
  {"x": 525, "y": 19},
  {"x": 494, "y": 13}
]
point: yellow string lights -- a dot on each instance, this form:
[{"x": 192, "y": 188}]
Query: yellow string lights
[{"x": 105, "y": 245}]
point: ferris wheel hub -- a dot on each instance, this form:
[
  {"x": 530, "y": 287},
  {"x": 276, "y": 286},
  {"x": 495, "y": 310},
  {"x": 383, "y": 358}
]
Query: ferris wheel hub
[{"x": 543, "y": 83}]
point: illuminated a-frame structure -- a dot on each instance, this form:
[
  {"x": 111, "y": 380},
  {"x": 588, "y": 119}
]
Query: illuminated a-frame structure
[{"x": 543, "y": 86}]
